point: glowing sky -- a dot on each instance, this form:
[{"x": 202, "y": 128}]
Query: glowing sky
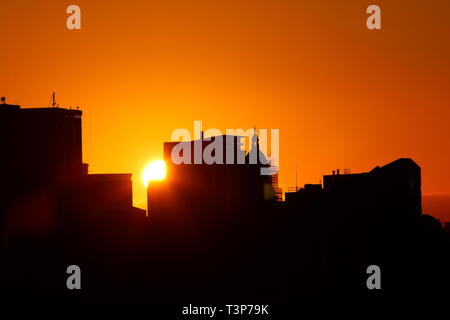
[{"x": 342, "y": 96}]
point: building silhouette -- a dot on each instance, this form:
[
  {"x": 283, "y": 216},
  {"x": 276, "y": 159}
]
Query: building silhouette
[
  {"x": 395, "y": 187},
  {"x": 42, "y": 165},
  {"x": 232, "y": 183},
  {"x": 214, "y": 230},
  {"x": 41, "y": 147}
]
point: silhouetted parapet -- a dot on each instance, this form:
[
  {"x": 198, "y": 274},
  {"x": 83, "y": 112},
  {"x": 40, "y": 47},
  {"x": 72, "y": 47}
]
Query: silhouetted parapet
[{"x": 9, "y": 107}]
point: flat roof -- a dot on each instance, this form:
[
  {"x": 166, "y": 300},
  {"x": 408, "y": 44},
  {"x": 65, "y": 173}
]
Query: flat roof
[{"x": 12, "y": 107}]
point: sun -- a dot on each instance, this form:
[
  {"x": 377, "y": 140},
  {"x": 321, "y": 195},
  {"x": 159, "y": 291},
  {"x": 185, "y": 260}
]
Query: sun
[{"x": 154, "y": 171}]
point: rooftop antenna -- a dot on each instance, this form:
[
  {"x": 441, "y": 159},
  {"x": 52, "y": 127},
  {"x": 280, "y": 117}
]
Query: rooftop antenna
[
  {"x": 296, "y": 184},
  {"x": 54, "y": 99}
]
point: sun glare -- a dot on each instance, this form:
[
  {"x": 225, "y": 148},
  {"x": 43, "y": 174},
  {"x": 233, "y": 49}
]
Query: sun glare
[{"x": 154, "y": 171}]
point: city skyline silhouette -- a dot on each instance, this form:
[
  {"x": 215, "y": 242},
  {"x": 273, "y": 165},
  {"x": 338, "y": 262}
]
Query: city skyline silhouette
[
  {"x": 195, "y": 155},
  {"x": 350, "y": 97},
  {"x": 212, "y": 231}
]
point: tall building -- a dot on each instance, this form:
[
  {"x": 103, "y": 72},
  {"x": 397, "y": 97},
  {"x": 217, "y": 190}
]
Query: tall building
[{"x": 40, "y": 145}]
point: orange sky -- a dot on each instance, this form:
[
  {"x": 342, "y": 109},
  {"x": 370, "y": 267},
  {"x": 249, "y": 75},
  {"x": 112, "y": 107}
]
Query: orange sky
[{"x": 341, "y": 95}]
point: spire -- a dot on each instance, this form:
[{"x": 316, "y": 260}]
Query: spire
[
  {"x": 255, "y": 139},
  {"x": 255, "y": 155},
  {"x": 255, "y": 145}
]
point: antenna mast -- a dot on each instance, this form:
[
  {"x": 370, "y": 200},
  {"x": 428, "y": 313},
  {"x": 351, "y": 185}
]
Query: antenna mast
[{"x": 54, "y": 99}]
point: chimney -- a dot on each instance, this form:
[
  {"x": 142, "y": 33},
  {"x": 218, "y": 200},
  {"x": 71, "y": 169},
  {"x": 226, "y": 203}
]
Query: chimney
[{"x": 337, "y": 171}]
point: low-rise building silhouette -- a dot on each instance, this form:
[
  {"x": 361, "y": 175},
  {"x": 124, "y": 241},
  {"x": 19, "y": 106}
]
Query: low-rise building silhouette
[{"x": 395, "y": 187}]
